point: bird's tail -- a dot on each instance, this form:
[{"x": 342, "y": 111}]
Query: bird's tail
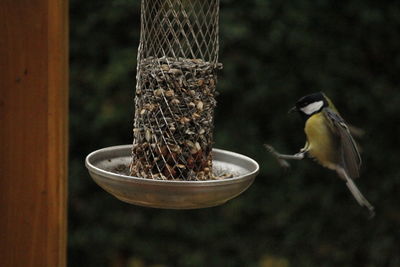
[{"x": 357, "y": 194}]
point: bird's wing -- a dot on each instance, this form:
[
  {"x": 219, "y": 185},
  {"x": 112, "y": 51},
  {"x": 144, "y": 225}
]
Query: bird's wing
[{"x": 350, "y": 157}]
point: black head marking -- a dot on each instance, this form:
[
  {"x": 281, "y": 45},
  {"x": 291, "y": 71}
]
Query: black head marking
[{"x": 311, "y": 104}]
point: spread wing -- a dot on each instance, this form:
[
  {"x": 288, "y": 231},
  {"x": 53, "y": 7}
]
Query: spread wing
[{"x": 350, "y": 157}]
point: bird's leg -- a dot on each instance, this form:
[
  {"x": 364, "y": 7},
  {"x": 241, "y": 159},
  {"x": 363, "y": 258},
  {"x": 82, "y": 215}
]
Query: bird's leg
[
  {"x": 297, "y": 156},
  {"x": 283, "y": 157},
  {"x": 355, "y": 191}
]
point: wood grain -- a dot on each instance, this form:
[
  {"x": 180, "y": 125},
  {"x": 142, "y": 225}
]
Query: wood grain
[{"x": 33, "y": 132}]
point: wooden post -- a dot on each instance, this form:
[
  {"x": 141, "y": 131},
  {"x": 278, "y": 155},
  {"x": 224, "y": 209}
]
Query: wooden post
[{"x": 33, "y": 132}]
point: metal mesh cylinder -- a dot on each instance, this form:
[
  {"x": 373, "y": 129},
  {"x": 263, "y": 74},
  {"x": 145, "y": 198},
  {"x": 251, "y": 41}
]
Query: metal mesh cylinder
[{"x": 175, "y": 91}]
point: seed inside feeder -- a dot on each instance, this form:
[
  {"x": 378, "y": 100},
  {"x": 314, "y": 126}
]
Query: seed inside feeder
[{"x": 175, "y": 100}]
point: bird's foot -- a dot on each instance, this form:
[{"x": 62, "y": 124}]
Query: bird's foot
[{"x": 283, "y": 163}]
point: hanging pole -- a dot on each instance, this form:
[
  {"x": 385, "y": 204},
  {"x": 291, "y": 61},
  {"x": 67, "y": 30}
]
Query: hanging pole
[{"x": 33, "y": 132}]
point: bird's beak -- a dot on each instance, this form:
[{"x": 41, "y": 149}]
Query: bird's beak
[{"x": 293, "y": 109}]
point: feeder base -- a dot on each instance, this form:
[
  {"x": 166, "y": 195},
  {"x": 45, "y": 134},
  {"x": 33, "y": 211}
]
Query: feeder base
[{"x": 108, "y": 167}]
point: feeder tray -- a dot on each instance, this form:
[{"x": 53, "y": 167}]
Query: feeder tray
[{"x": 106, "y": 166}]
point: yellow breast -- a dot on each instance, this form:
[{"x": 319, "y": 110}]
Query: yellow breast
[{"x": 322, "y": 143}]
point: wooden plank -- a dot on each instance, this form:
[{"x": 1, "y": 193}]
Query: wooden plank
[{"x": 33, "y": 132}]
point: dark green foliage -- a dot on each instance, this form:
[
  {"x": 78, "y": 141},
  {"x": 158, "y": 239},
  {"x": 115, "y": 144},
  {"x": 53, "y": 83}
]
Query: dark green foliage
[{"x": 273, "y": 52}]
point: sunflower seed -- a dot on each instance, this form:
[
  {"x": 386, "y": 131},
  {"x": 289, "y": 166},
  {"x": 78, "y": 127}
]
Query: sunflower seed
[{"x": 175, "y": 100}]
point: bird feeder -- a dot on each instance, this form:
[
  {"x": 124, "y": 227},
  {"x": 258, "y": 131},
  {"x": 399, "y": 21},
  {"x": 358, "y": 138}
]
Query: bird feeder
[{"x": 171, "y": 163}]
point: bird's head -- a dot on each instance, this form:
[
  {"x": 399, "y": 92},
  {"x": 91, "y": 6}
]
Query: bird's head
[{"x": 310, "y": 104}]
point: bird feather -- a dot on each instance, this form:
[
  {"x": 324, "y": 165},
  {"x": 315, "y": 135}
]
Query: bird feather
[{"x": 350, "y": 157}]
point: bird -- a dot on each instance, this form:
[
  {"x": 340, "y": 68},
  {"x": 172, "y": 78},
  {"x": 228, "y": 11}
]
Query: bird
[{"x": 328, "y": 141}]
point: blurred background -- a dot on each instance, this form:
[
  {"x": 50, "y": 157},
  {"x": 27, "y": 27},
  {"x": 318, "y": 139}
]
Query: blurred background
[{"x": 273, "y": 53}]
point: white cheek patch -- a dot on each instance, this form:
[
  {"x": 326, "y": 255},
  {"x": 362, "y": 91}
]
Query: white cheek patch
[{"x": 313, "y": 107}]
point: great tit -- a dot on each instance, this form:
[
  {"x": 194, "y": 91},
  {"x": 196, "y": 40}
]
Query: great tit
[{"x": 329, "y": 142}]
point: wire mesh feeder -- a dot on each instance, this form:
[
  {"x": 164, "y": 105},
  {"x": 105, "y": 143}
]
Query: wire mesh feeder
[
  {"x": 171, "y": 163},
  {"x": 175, "y": 92}
]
